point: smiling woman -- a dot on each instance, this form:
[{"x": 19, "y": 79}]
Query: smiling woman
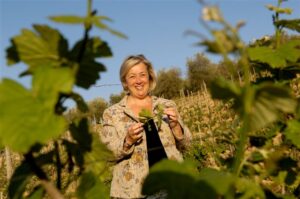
[{"x": 138, "y": 146}]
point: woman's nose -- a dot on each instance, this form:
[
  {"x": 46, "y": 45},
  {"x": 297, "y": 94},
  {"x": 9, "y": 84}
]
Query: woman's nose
[{"x": 139, "y": 79}]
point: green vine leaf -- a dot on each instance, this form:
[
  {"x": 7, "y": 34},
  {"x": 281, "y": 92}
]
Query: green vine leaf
[
  {"x": 98, "y": 160},
  {"x": 19, "y": 180},
  {"x": 95, "y": 48},
  {"x": 219, "y": 180},
  {"x": 88, "y": 68},
  {"x": 249, "y": 189},
  {"x": 279, "y": 9},
  {"x": 230, "y": 89},
  {"x": 68, "y": 19},
  {"x": 38, "y": 193},
  {"x": 91, "y": 187},
  {"x": 223, "y": 43},
  {"x": 276, "y": 58},
  {"x": 226, "y": 90},
  {"x": 292, "y": 24},
  {"x": 47, "y": 82},
  {"x": 292, "y": 132},
  {"x": 81, "y": 104},
  {"x": 269, "y": 102},
  {"x": 46, "y": 47},
  {"x": 95, "y": 20},
  {"x": 264, "y": 103},
  {"x": 88, "y": 73},
  {"x": 166, "y": 174},
  {"x": 27, "y": 116},
  {"x": 145, "y": 115},
  {"x": 23, "y": 173}
]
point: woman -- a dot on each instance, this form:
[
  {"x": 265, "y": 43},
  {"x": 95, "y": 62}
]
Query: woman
[{"x": 126, "y": 136}]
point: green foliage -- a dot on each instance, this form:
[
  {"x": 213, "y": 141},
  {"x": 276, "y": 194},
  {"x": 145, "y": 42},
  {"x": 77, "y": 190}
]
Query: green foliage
[
  {"x": 88, "y": 21},
  {"x": 115, "y": 98},
  {"x": 166, "y": 175},
  {"x": 22, "y": 106},
  {"x": 199, "y": 70},
  {"x": 292, "y": 132},
  {"x": 93, "y": 110},
  {"x": 32, "y": 121},
  {"x": 23, "y": 174},
  {"x": 169, "y": 83},
  {"x": 49, "y": 46},
  {"x": 264, "y": 103},
  {"x": 276, "y": 58},
  {"x": 257, "y": 155},
  {"x": 37, "y": 194},
  {"x": 293, "y": 24},
  {"x": 51, "y": 49},
  {"x": 279, "y": 9},
  {"x": 97, "y": 107},
  {"x": 145, "y": 115},
  {"x": 91, "y": 187},
  {"x": 89, "y": 68},
  {"x": 208, "y": 183}
]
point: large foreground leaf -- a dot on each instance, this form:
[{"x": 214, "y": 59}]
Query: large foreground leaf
[
  {"x": 25, "y": 119},
  {"x": 95, "y": 48},
  {"x": 179, "y": 180},
  {"x": 28, "y": 116},
  {"x": 44, "y": 46},
  {"x": 264, "y": 103},
  {"x": 182, "y": 180},
  {"x": 91, "y": 187},
  {"x": 89, "y": 69},
  {"x": 23, "y": 173},
  {"x": 47, "y": 82},
  {"x": 276, "y": 58},
  {"x": 269, "y": 102}
]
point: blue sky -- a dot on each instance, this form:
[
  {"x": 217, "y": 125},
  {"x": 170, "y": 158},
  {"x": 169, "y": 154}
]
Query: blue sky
[{"x": 154, "y": 28}]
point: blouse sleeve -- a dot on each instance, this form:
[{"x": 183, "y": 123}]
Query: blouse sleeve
[{"x": 112, "y": 139}]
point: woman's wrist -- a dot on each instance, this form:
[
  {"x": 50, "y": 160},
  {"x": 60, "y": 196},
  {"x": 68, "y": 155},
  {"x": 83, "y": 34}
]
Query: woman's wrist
[
  {"x": 127, "y": 143},
  {"x": 178, "y": 132}
]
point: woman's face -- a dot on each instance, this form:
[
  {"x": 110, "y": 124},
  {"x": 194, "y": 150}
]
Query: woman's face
[{"x": 137, "y": 81}]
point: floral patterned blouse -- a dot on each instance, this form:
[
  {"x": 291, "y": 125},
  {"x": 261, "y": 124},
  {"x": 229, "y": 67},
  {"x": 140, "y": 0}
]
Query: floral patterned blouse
[{"x": 131, "y": 166}]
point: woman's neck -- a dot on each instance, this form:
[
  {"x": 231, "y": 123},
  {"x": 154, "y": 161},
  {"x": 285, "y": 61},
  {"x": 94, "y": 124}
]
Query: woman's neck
[
  {"x": 132, "y": 99},
  {"x": 137, "y": 104}
]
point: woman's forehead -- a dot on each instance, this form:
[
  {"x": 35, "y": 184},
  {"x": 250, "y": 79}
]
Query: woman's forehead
[{"x": 138, "y": 68}]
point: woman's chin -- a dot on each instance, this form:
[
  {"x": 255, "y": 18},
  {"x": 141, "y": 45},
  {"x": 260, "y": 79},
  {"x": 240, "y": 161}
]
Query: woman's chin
[{"x": 140, "y": 95}]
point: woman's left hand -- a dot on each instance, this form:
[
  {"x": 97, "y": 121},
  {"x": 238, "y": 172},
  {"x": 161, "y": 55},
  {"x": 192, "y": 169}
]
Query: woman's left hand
[
  {"x": 174, "y": 123},
  {"x": 172, "y": 117}
]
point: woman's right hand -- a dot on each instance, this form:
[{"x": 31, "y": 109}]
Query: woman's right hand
[{"x": 134, "y": 133}]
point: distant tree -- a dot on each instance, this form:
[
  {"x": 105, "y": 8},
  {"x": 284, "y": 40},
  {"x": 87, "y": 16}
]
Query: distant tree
[
  {"x": 169, "y": 83},
  {"x": 96, "y": 109},
  {"x": 94, "y": 114},
  {"x": 199, "y": 69},
  {"x": 115, "y": 98}
]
